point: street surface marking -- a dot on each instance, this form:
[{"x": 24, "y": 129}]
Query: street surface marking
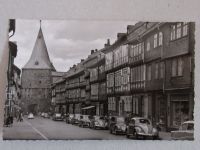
[{"x": 36, "y": 130}]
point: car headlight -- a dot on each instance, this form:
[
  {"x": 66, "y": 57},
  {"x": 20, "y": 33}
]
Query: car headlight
[
  {"x": 96, "y": 123},
  {"x": 155, "y": 131}
]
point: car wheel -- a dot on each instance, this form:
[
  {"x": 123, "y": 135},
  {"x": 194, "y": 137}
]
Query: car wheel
[
  {"x": 115, "y": 131},
  {"x": 155, "y": 137},
  {"x": 111, "y": 131},
  {"x": 127, "y": 135}
]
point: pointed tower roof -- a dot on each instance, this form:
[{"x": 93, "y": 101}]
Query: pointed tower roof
[{"x": 39, "y": 58}]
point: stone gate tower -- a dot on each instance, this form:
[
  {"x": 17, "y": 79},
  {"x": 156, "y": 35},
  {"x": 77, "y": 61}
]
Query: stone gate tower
[{"x": 36, "y": 79}]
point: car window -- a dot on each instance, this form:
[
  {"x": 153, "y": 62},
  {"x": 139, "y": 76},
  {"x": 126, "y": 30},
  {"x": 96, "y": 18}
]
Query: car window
[
  {"x": 145, "y": 121},
  {"x": 120, "y": 119},
  {"x": 132, "y": 121},
  {"x": 190, "y": 126}
]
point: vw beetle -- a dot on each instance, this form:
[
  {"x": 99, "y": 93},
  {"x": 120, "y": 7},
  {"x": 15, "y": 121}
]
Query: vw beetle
[{"x": 141, "y": 127}]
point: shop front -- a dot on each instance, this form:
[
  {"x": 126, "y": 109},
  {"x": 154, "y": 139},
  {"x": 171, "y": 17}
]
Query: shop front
[{"x": 180, "y": 109}]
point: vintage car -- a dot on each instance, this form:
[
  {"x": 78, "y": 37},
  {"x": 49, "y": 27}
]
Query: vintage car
[
  {"x": 185, "y": 132},
  {"x": 84, "y": 121},
  {"x": 58, "y": 117},
  {"x": 99, "y": 122},
  {"x": 46, "y": 115},
  {"x": 117, "y": 125},
  {"x": 30, "y": 116},
  {"x": 75, "y": 120},
  {"x": 69, "y": 118},
  {"x": 141, "y": 127}
]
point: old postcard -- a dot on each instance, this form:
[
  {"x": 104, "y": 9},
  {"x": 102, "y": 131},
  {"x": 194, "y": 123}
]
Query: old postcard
[{"x": 99, "y": 80}]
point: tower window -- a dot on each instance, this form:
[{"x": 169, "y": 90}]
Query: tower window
[{"x": 36, "y": 63}]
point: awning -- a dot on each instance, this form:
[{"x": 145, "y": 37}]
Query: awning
[{"x": 88, "y": 107}]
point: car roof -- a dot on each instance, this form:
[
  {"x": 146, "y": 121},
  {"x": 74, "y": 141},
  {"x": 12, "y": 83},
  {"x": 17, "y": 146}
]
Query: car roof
[
  {"x": 189, "y": 121},
  {"x": 139, "y": 118}
]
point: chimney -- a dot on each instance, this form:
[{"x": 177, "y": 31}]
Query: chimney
[
  {"x": 92, "y": 51},
  {"x": 74, "y": 66},
  {"x": 108, "y": 43},
  {"x": 82, "y": 60},
  {"x": 96, "y": 50}
]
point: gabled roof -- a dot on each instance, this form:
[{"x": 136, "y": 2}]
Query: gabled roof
[{"x": 39, "y": 58}]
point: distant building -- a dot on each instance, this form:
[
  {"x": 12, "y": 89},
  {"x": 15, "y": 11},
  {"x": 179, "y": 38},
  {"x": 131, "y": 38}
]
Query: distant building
[{"x": 36, "y": 78}]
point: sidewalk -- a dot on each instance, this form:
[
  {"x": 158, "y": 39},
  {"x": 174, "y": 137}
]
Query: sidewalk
[{"x": 165, "y": 135}]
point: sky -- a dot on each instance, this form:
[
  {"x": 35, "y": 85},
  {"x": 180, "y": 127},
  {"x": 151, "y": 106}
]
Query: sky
[{"x": 67, "y": 41}]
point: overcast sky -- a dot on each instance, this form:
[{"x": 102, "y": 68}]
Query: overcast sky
[{"x": 67, "y": 41}]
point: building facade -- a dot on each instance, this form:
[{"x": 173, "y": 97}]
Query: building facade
[{"x": 148, "y": 72}]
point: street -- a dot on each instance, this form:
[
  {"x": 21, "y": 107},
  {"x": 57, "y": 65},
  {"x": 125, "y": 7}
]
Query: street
[{"x": 47, "y": 129}]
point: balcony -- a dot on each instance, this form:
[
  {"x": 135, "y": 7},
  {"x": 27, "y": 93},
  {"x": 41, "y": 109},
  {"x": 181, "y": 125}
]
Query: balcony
[
  {"x": 94, "y": 97},
  {"x": 81, "y": 84},
  {"x": 110, "y": 90},
  {"x": 102, "y": 76},
  {"x": 138, "y": 85},
  {"x": 136, "y": 59},
  {"x": 121, "y": 61},
  {"x": 109, "y": 66}
]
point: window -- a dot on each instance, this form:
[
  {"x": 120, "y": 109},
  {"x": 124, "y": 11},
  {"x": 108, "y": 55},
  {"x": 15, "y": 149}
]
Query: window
[
  {"x": 174, "y": 67},
  {"x": 177, "y": 67},
  {"x": 156, "y": 71},
  {"x": 185, "y": 28},
  {"x": 180, "y": 67},
  {"x": 155, "y": 43},
  {"x": 149, "y": 72},
  {"x": 178, "y": 30},
  {"x": 148, "y": 46},
  {"x": 161, "y": 70},
  {"x": 160, "y": 42},
  {"x": 173, "y": 32}
]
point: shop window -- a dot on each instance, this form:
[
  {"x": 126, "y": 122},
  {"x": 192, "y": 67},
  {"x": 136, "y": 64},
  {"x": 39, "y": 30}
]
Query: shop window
[{"x": 180, "y": 112}]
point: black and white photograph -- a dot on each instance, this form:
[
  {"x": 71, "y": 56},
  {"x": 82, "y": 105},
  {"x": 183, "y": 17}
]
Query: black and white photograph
[{"x": 100, "y": 80}]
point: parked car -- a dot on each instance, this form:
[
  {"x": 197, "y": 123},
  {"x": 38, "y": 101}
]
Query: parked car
[
  {"x": 84, "y": 121},
  {"x": 58, "y": 117},
  {"x": 99, "y": 122},
  {"x": 141, "y": 127},
  {"x": 46, "y": 115},
  {"x": 75, "y": 120},
  {"x": 117, "y": 125},
  {"x": 42, "y": 114},
  {"x": 185, "y": 132},
  {"x": 30, "y": 116},
  {"x": 69, "y": 118}
]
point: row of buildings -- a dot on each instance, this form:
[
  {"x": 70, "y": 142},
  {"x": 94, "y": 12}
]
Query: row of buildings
[
  {"x": 148, "y": 71},
  {"x": 13, "y": 86}
]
